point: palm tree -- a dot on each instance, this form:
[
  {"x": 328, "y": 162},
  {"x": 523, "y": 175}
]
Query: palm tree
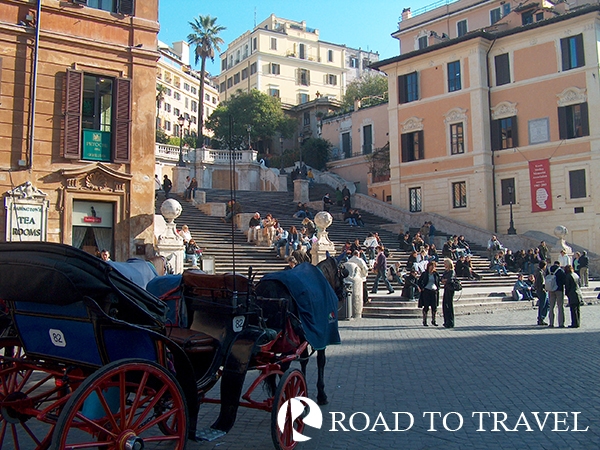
[{"x": 205, "y": 38}]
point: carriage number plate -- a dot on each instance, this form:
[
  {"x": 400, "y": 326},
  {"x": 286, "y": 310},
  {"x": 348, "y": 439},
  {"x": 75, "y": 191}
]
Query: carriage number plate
[
  {"x": 57, "y": 338},
  {"x": 238, "y": 323}
]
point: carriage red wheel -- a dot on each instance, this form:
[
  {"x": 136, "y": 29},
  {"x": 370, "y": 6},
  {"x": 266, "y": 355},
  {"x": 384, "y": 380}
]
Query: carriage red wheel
[
  {"x": 21, "y": 391},
  {"x": 292, "y": 384},
  {"x": 124, "y": 405}
]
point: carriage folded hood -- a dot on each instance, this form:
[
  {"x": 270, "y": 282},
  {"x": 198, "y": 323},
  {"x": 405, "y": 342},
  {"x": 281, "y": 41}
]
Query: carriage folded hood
[{"x": 316, "y": 301}]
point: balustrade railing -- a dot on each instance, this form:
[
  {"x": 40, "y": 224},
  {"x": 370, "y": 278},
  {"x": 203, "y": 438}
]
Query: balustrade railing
[{"x": 204, "y": 155}]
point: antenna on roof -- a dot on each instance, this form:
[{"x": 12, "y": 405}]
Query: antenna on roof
[{"x": 255, "y": 17}]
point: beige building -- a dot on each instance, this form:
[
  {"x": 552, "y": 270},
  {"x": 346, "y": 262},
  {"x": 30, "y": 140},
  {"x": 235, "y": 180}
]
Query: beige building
[
  {"x": 286, "y": 59},
  {"x": 181, "y": 87},
  {"x": 494, "y": 115},
  {"x": 77, "y": 123}
]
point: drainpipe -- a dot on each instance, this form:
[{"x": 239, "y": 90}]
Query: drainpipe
[
  {"x": 489, "y": 82},
  {"x": 34, "y": 87}
]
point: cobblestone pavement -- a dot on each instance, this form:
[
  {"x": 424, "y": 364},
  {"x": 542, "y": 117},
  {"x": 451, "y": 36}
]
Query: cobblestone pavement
[{"x": 489, "y": 363}]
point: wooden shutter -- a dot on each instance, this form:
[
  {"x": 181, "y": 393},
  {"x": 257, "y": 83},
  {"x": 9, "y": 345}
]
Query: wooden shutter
[
  {"x": 404, "y": 143},
  {"x": 564, "y": 52},
  {"x": 73, "y": 96},
  {"x": 122, "y": 120},
  {"x": 421, "y": 148},
  {"x": 515, "y": 131},
  {"x": 563, "y": 132},
  {"x": 402, "y": 89},
  {"x": 496, "y": 138},
  {"x": 579, "y": 49},
  {"x": 585, "y": 124},
  {"x": 502, "y": 69},
  {"x": 125, "y": 7}
]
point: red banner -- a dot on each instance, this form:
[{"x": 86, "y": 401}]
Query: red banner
[{"x": 541, "y": 190}]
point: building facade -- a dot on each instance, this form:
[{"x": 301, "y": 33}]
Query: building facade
[
  {"x": 180, "y": 91},
  {"x": 77, "y": 119},
  {"x": 494, "y": 119},
  {"x": 286, "y": 59}
]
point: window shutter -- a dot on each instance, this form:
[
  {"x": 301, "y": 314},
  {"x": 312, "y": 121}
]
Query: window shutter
[
  {"x": 404, "y": 144},
  {"x": 579, "y": 48},
  {"x": 562, "y": 123},
  {"x": 564, "y": 51},
  {"x": 73, "y": 95},
  {"x": 125, "y": 7},
  {"x": 515, "y": 131},
  {"x": 421, "y": 147},
  {"x": 308, "y": 77},
  {"x": 122, "y": 125},
  {"x": 297, "y": 76},
  {"x": 496, "y": 138},
  {"x": 585, "y": 124},
  {"x": 402, "y": 89}
]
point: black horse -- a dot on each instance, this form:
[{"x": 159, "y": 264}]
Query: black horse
[{"x": 270, "y": 288}]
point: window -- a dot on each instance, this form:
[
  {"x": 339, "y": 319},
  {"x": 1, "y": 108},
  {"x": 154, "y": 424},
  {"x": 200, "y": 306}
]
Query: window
[
  {"x": 167, "y": 125},
  {"x": 457, "y": 138},
  {"x": 573, "y": 121},
  {"x": 206, "y": 97},
  {"x": 176, "y": 112},
  {"x": 577, "y": 184},
  {"x": 423, "y": 41},
  {"x": 331, "y": 79},
  {"x": 354, "y": 62},
  {"x": 461, "y": 28},
  {"x": 176, "y": 95},
  {"x": 304, "y": 77},
  {"x": 222, "y": 87},
  {"x": 412, "y": 146},
  {"x": 194, "y": 90},
  {"x": 274, "y": 92},
  {"x": 229, "y": 82},
  {"x": 527, "y": 18},
  {"x": 459, "y": 194},
  {"x": 187, "y": 101},
  {"x": 571, "y": 50},
  {"x": 245, "y": 55},
  {"x": 367, "y": 139},
  {"x": 273, "y": 44},
  {"x": 224, "y": 64},
  {"x": 306, "y": 118},
  {"x": 237, "y": 56},
  {"x": 194, "y": 106},
  {"x": 254, "y": 44},
  {"x": 167, "y": 107},
  {"x": 97, "y": 124},
  {"x": 236, "y": 78},
  {"x": 502, "y": 66},
  {"x": 186, "y": 86},
  {"x": 302, "y": 51},
  {"x": 414, "y": 198},
  {"x": 122, "y": 7},
  {"x": 508, "y": 191},
  {"x": 504, "y": 133},
  {"x": 454, "y": 83},
  {"x": 252, "y": 68},
  {"x": 539, "y": 16},
  {"x": 329, "y": 55},
  {"x": 244, "y": 73},
  {"x": 169, "y": 92},
  {"x": 303, "y": 98},
  {"x": 275, "y": 69},
  {"x": 495, "y": 16},
  {"x": 408, "y": 87},
  {"x": 346, "y": 145},
  {"x": 214, "y": 100},
  {"x": 505, "y": 9}
]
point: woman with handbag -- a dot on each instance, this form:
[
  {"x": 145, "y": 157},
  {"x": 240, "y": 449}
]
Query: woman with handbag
[
  {"x": 448, "y": 278},
  {"x": 429, "y": 283}
]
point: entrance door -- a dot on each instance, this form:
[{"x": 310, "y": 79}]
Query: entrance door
[{"x": 93, "y": 226}]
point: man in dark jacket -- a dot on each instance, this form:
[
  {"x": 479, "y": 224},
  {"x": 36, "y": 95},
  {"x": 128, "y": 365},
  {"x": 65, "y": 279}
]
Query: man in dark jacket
[
  {"x": 583, "y": 269},
  {"x": 541, "y": 293},
  {"x": 557, "y": 296}
]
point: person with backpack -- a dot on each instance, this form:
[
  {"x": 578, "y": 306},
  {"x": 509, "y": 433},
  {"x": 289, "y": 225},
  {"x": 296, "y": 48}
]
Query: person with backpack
[
  {"x": 541, "y": 293},
  {"x": 554, "y": 282}
]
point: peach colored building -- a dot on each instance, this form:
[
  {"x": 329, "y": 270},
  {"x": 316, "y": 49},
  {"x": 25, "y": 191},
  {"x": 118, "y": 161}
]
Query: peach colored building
[
  {"x": 77, "y": 123},
  {"x": 357, "y": 138},
  {"x": 497, "y": 116}
]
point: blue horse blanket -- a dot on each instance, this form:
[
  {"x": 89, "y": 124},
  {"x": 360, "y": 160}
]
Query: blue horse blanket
[
  {"x": 136, "y": 270},
  {"x": 316, "y": 301}
]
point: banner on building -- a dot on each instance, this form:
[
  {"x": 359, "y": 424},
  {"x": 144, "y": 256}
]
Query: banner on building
[{"x": 541, "y": 190}]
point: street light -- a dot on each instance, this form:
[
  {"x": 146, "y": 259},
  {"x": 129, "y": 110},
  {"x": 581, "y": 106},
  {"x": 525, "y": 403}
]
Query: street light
[
  {"x": 281, "y": 155},
  {"x": 511, "y": 225},
  {"x": 249, "y": 128},
  {"x": 181, "y": 121}
]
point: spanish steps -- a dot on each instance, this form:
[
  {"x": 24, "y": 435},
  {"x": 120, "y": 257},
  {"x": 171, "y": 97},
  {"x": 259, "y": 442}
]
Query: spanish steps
[{"x": 491, "y": 293}]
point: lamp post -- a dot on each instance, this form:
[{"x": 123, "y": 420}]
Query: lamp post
[
  {"x": 281, "y": 154},
  {"x": 300, "y": 136},
  {"x": 511, "y": 224},
  {"x": 249, "y": 128},
  {"x": 181, "y": 121}
]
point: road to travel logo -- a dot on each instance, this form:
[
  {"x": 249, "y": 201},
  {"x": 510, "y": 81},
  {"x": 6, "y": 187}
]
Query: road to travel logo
[{"x": 299, "y": 408}]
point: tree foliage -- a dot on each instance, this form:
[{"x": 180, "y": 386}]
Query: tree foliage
[
  {"x": 370, "y": 89},
  {"x": 316, "y": 152},
  {"x": 254, "y": 113}
]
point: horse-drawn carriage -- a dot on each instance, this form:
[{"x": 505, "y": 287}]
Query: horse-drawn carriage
[{"x": 90, "y": 359}]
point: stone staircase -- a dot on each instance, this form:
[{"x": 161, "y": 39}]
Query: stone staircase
[{"x": 220, "y": 241}]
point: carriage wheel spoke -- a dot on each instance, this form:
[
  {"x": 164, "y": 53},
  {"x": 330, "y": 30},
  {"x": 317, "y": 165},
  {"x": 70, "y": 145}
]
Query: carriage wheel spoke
[
  {"x": 158, "y": 419},
  {"x": 137, "y": 399},
  {"x": 98, "y": 391},
  {"x": 150, "y": 407}
]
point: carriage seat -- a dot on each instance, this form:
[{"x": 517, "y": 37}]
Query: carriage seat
[
  {"x": 193, "y": 341},
  {"x": 214, "y": 288}
]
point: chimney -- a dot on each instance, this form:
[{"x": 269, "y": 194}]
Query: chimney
[{"x": 406, "y": 14}]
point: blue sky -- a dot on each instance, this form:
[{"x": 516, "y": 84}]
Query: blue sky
[{"x": 364, "y": 24}]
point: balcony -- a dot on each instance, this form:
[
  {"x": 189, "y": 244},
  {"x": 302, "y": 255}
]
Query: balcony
[{"x": 170, "y": 153}]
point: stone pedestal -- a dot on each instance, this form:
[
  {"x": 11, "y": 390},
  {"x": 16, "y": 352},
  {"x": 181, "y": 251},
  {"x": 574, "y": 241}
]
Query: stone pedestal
[
  {"x": 179, "y": 174},
  {"x": 169, "y": 243},
  {"x": 323, "y": 245},
  {"x": 356, "y": 296},
  {"x": 301, "y": 191}
]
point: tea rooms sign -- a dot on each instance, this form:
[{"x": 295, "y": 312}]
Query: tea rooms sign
[{"x": 26, "y": 214}]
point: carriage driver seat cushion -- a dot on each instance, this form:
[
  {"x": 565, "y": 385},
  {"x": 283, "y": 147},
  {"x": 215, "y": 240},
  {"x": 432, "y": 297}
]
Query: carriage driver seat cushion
[{"x": 193, "y": 341}]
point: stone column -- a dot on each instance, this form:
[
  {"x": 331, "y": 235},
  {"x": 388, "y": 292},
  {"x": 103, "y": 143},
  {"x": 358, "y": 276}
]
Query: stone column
[
  {"x": 301, "y": 191},
  {"x": 323, "y": 245},
  {"x": 356, "y": 299},
  {"x": 179, "y": 174},
  {"x": 170, "y": 244}
]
